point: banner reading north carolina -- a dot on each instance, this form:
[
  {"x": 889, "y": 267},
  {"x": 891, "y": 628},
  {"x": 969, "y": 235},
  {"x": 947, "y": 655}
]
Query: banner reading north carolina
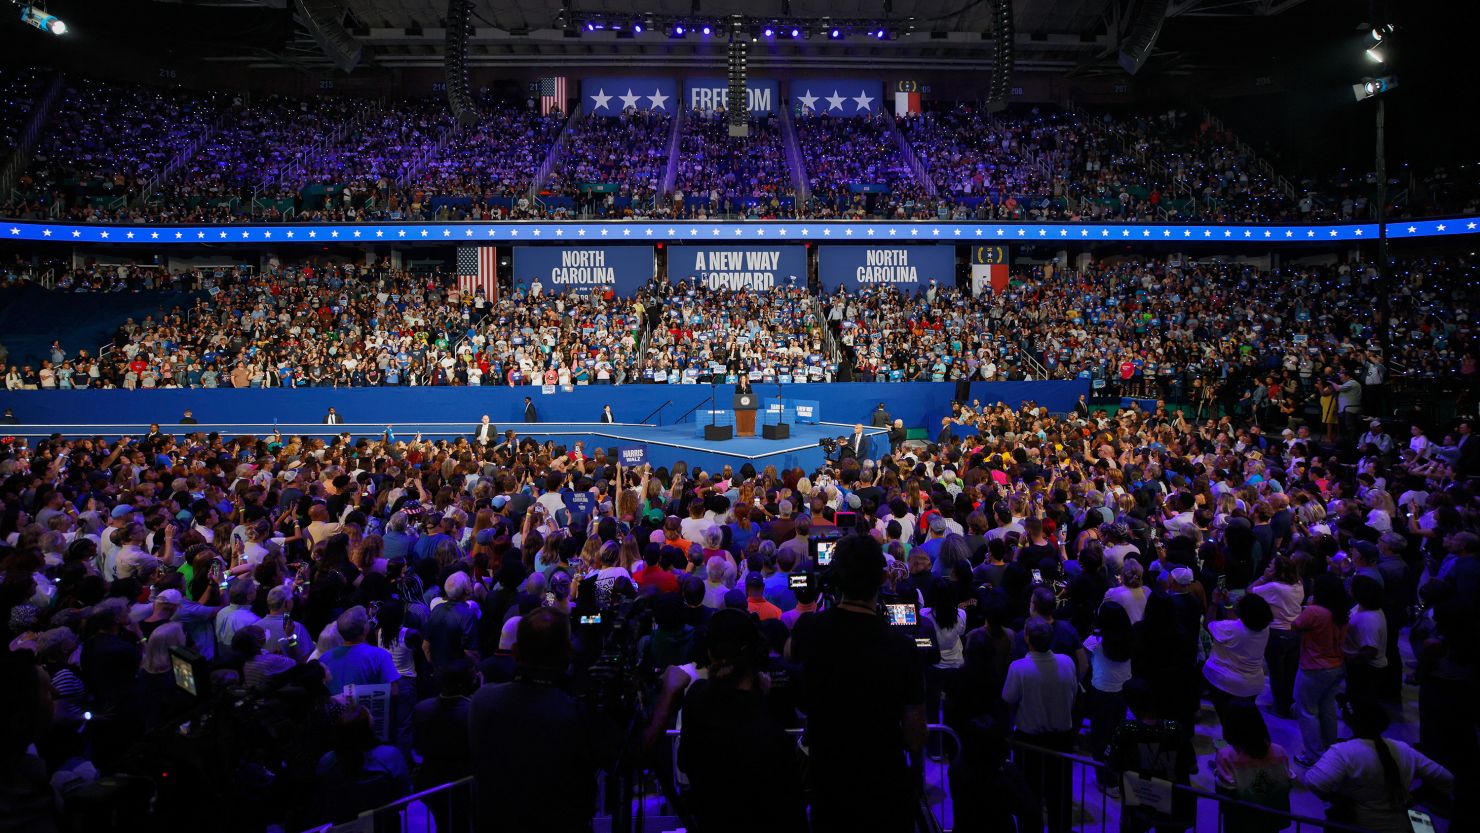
[
  {"x": 709, "y": 94},
  {"x": 848, "y": 98},
  {"x": 622, "y": 269},
  {"x": 906, "y": 268},
  {"x": 612, "y": 96},
  {"x": 756, "y": 268}
]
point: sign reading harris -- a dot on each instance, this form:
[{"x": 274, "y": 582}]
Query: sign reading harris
[
  {"x": 616, "y": 95},
  {"x": 761, "y": 95},
  {"x": 906, "y": 268},
  {"x": 632, "y": 455},
  {"x": 756, "y": 268},
  {"x": 622, "y": 269},
  {"x": 846, "y": 98}
]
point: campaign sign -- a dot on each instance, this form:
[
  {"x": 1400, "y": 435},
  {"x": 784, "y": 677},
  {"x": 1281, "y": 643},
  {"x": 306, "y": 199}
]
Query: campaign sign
[
  {"x": 632, "y": 455},
  {"x": 845, "y": 98},
  {"x": 761, "y": 94},
  {"x": 615, "y": 95},
  {"x": 622, "y": 269},
  {"x": 906, "y": 268},
  {"x": 807, "y": 411},
  {"x": 756, "y": 268}
]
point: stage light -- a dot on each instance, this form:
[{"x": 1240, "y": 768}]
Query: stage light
[
  {"x": 1376, "y": 54},
  {"x": 835, "y": 34},
  {"x": 796, "y": 33},
  {"x": 706, "y": 31},
  {"x": 637, "y": 28},
  {"x": 678, "y": 31},
  {"x": 32, "y": 16},
  {"x": 881, "y": 34},
  {"x": 590, "y": 27},
  {"x": 769, "y": 32}
]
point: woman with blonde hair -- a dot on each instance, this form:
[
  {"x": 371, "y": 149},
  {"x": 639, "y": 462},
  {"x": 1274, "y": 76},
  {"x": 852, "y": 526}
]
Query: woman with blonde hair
[
  {"x": 1381, "y": 510},
  {"x": 1132, "y": 593}
]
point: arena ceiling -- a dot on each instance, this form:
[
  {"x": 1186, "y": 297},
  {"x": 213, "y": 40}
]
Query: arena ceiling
[{"x": 1054, "y": 36}]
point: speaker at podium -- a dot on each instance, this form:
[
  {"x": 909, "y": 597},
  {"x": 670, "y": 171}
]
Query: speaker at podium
[{"x": 745, "y": 406}]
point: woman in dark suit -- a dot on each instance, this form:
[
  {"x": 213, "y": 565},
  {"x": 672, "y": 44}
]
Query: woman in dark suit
[{"x": 606, "y": 415}]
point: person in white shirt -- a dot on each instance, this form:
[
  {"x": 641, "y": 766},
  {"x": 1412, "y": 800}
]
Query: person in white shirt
[
  {"x": 1366, "y": 640},
  {"x": 1235, "y": 669},
  {"x": 1041, "y": 688},
  {"x": 1280, "y": 586},
  {"x": 238, "y": 614},
  {"x": 1131, "y": 594},
  {"x": 1371, "y": 777}
]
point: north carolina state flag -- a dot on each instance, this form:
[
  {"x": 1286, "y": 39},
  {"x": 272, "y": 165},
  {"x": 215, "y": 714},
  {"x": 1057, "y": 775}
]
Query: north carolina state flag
[{"x": 906, "y": 98}]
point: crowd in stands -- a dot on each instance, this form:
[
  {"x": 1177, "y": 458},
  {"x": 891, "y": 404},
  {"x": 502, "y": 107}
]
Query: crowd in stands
[
  {"x": 724, "y": 175},
  {"x": 629, "y": 152},
  {"x": 19, "y": 89},
  {"x": 703, "y": 334},
  {"x": 496, "y": 158},
  {"x": 844, "y": 157},
  {"x": 1094, "y": 583}
]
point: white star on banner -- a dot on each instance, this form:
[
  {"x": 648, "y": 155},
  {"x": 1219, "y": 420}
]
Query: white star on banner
[
  {"x": 601, "y": 99},
  {"x": 893, "y": 232},
  {"x": 316, "y": 234},
  {"x": 1267, "y": 232},
  {"x": 357, "y": 232},
  {"x": 1248, "y": 233},
  {"x": 626, "y": 232},
  {"x": 47, "y": 233},
  {"x": 1042, "y": 232},
  {"x": 1471, "y": 227},
  {"x": 739, "y": 232},
  {"x": 1311, "y": 233},
  {"x": 1146, "y": 233},
  {"x": 1104, "y": 232},
  {"x": 105, "y": 235},
  {"x": 935, "y": 232},
  {"x": 1167, "y": 233},
  {"x": 827, "y": 232},
  {"x": 629, "y": 100},
  {"x": 716, "y": 231},
  {"x": 809, "y": 101},
  {"x": 760, "y": 232},
  {"x": 514, "y": 232},
  {"x": 999, "y": 231},
  {"x": 401, "y": 233},
  {"x": 1289, "y": 233},
  {"x": 380, "y": 232},
  {"x": 870, "y": 232},
  {"x": 423, "y": 232},
  {"x": 199, "y": 235},
  {"x": 468, "y": 232},
  {"x": 914, "y": 232},
  {"x": 536, "y": 232},
  {"x": 956, "y": 232},
  {"x": 14, "y": 230},
  {"x": 1021, "y": 232},
  {"x": 1333, "y": 232},
  {"x": 806, "y": 232},
  {"x": 581, "y": 232},
  {"x": 1125, "y": 233},
  {"x": 603, "y": 232},
  {"x": 1441, "y": 226},
  {"x": 865, "y": 102},
  {"x": 266, "y": 234},
  {"x": 1187, "y": 232},
  {"x": 447, "y": 232},
  {"x": 1227, "y": 233},
  {"x": 1207, "y": 233},
  {"x": 648, "y": 233},
  {"x": 129, "y": 235},
  {"x": 1412, "y": 229},
  {"x": 659, "y": 100},
  {"x": 335, "y": 233},
  {"x": 153, "y": 236},
  {"x": 835, "y": 101}
]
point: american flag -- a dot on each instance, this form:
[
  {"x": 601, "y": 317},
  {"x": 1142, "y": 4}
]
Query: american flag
[
  {"x": 477, "y": 268},
  {"x": 552, "y": 94}
]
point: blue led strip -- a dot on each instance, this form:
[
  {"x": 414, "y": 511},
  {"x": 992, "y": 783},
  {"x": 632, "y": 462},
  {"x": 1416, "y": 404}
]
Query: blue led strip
[
  {"x": 759, "y": 231},
  {"x": 1443, "y": 227}
]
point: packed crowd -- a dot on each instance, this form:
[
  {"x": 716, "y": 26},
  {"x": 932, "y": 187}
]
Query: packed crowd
[
  {"x": 723, "y": 175},
  {"x": 1082, "y": 582},
  {"x": 628, "y": 153},
  {"x": 19, "y": 88},
  {"x": 496, "y": 158},
  {"x": 855, "y": 168},
  {"x": 703, "y": 334}
]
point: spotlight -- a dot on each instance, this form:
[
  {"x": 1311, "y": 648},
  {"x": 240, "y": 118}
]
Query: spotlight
[
  {"x": 769, "y": 32},
  {"x": 706, "y": 31},
  {"x": 881, "y": 34},
  {"x": 39, "y": 18},
  {"x": 590, "y": 27},
  {"x": 1376, "y": 53},
  {"x": 796, "y": 33},
  {"x": 678, "y": 31},
  {"x": 835, "y": 34},
  {"x": 637, "y": 28}
]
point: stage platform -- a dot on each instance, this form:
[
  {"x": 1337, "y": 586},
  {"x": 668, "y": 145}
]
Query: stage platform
[{"x": 665, "y": 444}]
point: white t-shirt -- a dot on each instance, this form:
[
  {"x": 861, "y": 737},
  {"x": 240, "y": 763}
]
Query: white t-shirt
[
  {"x": 1284, "y": 601},
  {"x": 1106, "y": 674},
  {"x": 1133, "y": 599},
  {"x": 1368, "y": 628},
  {"x": 1237, "y": 663}
]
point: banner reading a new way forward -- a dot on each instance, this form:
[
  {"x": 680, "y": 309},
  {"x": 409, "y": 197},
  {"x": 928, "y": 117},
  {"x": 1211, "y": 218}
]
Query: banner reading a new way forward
[
  {"x": 622, "y": 269},
  {"x": 906, "y": 268},
  {"x": 756, "y": 268}
]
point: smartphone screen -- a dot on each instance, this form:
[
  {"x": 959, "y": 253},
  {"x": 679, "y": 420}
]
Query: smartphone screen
[
  {"x": 825, "y": 552},
  {"x": 549, "y": 600},
  {"x": 1037, "y": 576},
  {"x": 902, "y": 615},
  {"x": 800, "y": 580},
  {"x": 590, "y": 619},
  {"x": 1420, "y": 821}
]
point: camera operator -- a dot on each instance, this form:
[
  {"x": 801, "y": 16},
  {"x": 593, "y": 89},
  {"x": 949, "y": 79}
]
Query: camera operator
[
  {"x": 525, "y": 732},
  {"x": 864, "y": 694}
]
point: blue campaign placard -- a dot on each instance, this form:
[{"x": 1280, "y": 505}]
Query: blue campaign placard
[
  {"x": 632, "y": 455},
  {"x": 761, "y": 94},
  {"x": 614, "y": 95},
  {"x": 838, "y": 97},
  {"x": 906, "y": 268},
  {"x": 739, "y": 267},
  {"x": 623, "y": 269}
]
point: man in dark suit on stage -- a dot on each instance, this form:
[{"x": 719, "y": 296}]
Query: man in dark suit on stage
[
  {"x": 947, "y": 435},
  {"x": 897, "y": 435},
  {"x": 607, "y": 417},
  {"x": 530, "y": 414},
  {"x": 333, "y": 418},
  {"x": 485, "y": 432},
  {"x": 858, "y": 444},
  {"x": 880, "y": 418}
]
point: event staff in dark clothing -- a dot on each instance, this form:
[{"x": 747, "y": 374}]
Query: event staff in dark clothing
[
  {"x": 530, "y": 414},
  {"x": 880, "y": 417},
  {"x": 535, "y": 749},
  {"x": 333, "y": 418},
  {"x": 606, "y": 418},
  {"x": 485, "y": 432},
  {"x": 864, "y": 695}
]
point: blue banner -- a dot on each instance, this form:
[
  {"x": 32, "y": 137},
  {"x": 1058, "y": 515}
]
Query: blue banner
[
  {"x": 612, "y": 96},
  {"x": 906, "y": 268},
  {"x": 756, "y": 268},
  {"x": 847, "y": 97},
  {"x": 808, "y": 411},
  {"x": 622, "y": 269},
  {"x": 762, "y": 95}
]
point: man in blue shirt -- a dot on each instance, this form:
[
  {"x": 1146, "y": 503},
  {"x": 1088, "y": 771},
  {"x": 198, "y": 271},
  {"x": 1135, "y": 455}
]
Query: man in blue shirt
[{"x": 354, "y": 662}]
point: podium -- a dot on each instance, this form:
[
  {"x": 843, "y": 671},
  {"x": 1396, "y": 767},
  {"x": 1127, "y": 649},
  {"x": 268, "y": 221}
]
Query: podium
[{"x": 746, "y": 404}]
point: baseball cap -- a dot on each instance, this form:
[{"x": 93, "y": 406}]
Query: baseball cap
[
  {"x": 1182, "y": 576},
  {"x": 412, "y": 507},
  {"x": 937, "y": 523},
  {"x": 184, "y": 515},
  {"x": 499, "y": 501},
  {"x": 122, "y": 510},
  {"x": 170, "y": 597}
]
